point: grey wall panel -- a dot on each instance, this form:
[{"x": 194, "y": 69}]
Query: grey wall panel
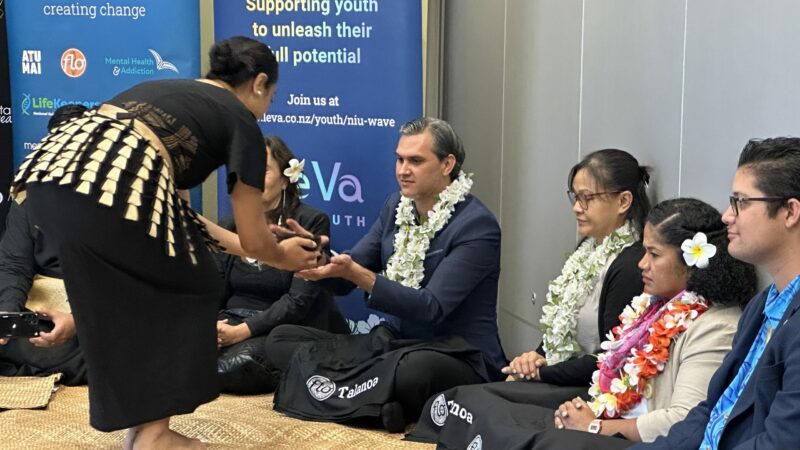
[
  {"x": 540, "y": 145},
  {"x": 632, "y": 77},
  {"x": 682, "y": 85},
  {"x": 742, "y": 66},
  {"x": 473, "y": 89}
]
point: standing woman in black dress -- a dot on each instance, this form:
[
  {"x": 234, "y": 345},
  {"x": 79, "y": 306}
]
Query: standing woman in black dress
[{"x": 104, "y": 187}]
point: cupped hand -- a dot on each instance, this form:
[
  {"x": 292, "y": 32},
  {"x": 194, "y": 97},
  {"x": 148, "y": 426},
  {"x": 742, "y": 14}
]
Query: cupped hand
[
  {"x": 338, "y": 267},
  {"x": 63, "y": 329}
]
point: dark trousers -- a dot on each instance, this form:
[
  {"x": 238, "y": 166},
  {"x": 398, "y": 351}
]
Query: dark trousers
[
  {"x": 554, "y": 439},
  {"x": 21, "y": 358},
  {"x": 419, "y": 374}
]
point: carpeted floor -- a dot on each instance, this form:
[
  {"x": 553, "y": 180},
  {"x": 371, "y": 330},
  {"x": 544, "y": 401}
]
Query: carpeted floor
[{"x": 226, "y": 423}]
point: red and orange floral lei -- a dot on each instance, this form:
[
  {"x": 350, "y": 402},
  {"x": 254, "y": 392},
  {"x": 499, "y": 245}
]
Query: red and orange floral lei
[{"x": 637, "y": 350}]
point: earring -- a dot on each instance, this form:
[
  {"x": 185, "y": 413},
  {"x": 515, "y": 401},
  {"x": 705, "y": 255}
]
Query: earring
[
  {"x": 260, "y": 92},
  {"x": 283, "y": 208}
]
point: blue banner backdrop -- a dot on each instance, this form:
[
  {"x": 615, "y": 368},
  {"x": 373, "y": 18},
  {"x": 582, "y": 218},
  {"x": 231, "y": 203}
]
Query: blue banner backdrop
[
  {"x": 64, "y": 51},
  {"x": 350, "y": 76}
]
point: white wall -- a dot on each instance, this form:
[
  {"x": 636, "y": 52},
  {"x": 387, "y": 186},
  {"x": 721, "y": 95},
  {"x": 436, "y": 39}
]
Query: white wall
[{"x": 532, "y": 85}]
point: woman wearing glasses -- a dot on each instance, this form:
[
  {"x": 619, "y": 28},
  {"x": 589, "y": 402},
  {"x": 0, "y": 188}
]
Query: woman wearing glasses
[{"x": 609, "y": 200}]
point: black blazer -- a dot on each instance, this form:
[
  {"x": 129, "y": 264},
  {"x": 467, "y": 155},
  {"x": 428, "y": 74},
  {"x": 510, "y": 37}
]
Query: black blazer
[{"x": 622, "y": 282}]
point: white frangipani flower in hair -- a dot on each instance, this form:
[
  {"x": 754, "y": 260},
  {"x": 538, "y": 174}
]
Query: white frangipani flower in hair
[
  {"x": 697, "y": 251},
  {"x": 295, "y": 170}
]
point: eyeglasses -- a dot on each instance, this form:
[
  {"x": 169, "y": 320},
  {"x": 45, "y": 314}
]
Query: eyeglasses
[
  {"x": 584, "y": 199},
  {"x": 737, "y": 202}
]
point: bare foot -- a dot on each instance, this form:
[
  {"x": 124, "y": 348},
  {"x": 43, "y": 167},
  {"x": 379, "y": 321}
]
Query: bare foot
[{"x": 157, "y": 436}]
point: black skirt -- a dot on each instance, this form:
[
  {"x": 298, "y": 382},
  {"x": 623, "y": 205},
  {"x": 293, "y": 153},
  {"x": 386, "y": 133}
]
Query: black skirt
[{"x": 143, "y": 286}]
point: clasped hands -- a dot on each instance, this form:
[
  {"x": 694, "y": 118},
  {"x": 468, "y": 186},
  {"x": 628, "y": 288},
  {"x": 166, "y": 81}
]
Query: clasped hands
[
  {"x": 574, "y": 414},
  {"x": 525, "y": 367}
]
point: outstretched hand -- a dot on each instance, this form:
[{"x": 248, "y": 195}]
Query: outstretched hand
[{"x": 339, "y": 267}]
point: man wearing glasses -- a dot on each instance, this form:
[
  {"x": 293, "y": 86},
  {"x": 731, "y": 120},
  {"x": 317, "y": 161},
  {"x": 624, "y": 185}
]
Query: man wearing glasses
[{"x": 753, "y": 400}]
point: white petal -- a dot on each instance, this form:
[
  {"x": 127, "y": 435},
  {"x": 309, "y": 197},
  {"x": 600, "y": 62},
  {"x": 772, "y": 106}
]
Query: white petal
[
  {"x": 699, "y": 238},
  {"x": 687, "y": 245},
  {"x": 689, "y": 257},
  {"x": 709, "y": 250},
  {"x": 702, "y": 261}
]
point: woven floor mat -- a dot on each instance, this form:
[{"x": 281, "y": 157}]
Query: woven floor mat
[
  {"x": 226, "y": 423},
  {"x": 26, "y": 392}
]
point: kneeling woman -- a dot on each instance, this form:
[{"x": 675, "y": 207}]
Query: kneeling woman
[
  {"x": 260, "y": 297},
  {"x": 657, "y": 362}
]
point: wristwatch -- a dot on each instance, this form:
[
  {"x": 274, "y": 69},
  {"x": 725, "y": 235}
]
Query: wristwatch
[{"x": 594, "y": 426}]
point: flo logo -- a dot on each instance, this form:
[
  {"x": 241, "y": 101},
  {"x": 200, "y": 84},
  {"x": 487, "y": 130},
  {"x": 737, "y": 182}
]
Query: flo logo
[
  {"x": 73, "y": 62},
  {"x": 320, "y": 387},
  {"x": 476, "y": 444},
  {"x": 347, "y": 186},
  {"x": 439, "y": 410},
  {"x": 31, "y": 62}
]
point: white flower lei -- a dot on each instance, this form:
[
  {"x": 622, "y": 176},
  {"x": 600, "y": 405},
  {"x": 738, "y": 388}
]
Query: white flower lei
[
  {"x": 412, "y": 241},
  {"x": 567, "y": 293}
]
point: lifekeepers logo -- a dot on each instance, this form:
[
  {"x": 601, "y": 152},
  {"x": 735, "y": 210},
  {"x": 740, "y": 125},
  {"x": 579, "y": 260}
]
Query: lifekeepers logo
[
  {"x": 26, "y": 104},
  {"x": 476, "y": 444},
  {"x": 439, "y": 410},
  {"x": 31, "y": 62},
  {"x": 73, "y": 62},
  {"x": 32, "y": 105},
  {"x": 320, "y": 387}
]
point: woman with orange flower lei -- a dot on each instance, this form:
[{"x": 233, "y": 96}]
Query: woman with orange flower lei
[{"x": 656, "y": 363}]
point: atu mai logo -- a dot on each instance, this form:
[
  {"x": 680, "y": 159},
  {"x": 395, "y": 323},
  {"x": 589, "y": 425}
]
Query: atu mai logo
[{"x": 73, "y": 62}]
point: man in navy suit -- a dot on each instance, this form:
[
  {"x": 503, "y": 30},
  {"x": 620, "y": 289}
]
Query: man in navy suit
[
  {"x": 457, "y": 293},
  {"x": 754, "y": 397}
]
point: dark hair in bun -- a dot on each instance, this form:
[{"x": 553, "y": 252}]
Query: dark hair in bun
[
  {"x": 616, "y": 171},
  {"x": 239, "y": 59}
]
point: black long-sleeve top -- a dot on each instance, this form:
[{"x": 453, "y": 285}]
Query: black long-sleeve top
[
  {"x": 281, "y": 297},
  {"x": 622, "y": 282},
  {"x": 24, "y": 252}
]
